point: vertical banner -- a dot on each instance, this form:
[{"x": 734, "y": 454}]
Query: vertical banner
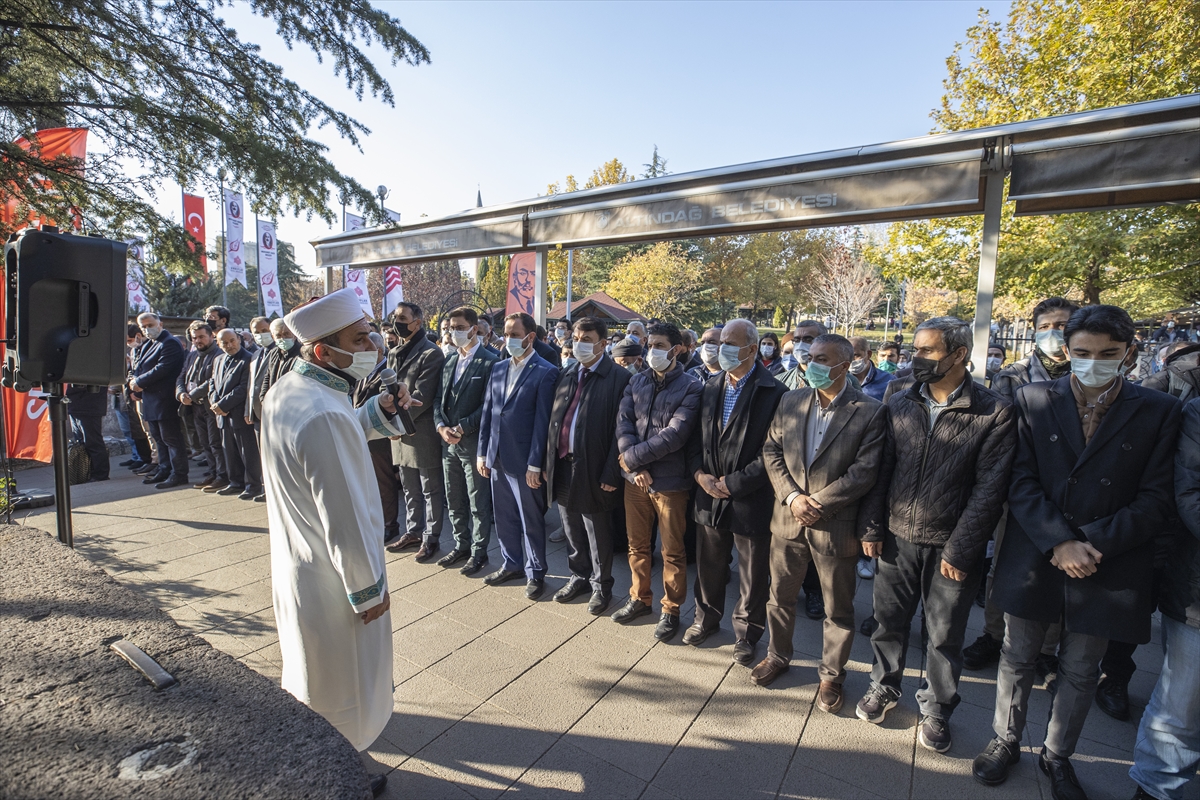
[
  {"x": 47, "y": 145},
  {"x": 356, "y": 279},
  {"x": 135, "y": 282},
  {"x": 235, "y": 217},
  {"x": 393, "y": 289},
  {"x": 193, "y": 220},
  {"x": 268, "y": 270},
  {"x": 26, "y": 421},
  {"x": 522, "y": 273}
]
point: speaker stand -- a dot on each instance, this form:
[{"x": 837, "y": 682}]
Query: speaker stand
[{"x": 62, "y": 484}]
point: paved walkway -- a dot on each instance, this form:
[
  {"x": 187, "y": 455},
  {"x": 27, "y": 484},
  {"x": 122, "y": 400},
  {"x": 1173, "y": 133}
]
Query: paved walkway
[{"x": 495, "y": 694}]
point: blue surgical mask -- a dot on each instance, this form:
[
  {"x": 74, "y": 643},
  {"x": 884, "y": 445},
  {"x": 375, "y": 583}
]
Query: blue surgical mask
[
  {"x": 709, "y": 353},
  {"x": 286, "y": 343},
  {"x": 1050, "y": 342},
  {"x": 633, "y": 368},
  {"x": 514, "y": 345},
  {"x": 1094, "y": 373},
  {"x": 728, "y": 357},
  {"x": 789, "y": 361},
  {"x": 633, "y": 337},
  {"x": 817, "y": 375}
]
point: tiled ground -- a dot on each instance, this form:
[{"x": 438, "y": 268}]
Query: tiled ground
[{"x": 495, "y": 694}]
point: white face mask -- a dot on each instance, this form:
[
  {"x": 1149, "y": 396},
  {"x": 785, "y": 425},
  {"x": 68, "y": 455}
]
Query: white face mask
[
  {"x": 514, "y": 345},
  {"x": 1094, "y": 373},
  {"x": 729, "y": 356},
  {"x": 767, "y": 350},
  {"x": 993, "y": 363},
  {"x": 659, "y": 360},
  {"x": 264, "y": 339},
  {"x": 362, "y": 365},
  {"x": 561, "y": 334},
  {"x": 460, "y": 338},
  {"x": 1050, "y": 341},
  {"x": 710, "y": 354},
  {"x": 859, "y": 366},
  {"x": 152, "y": 333},
  {"x": 585, "y": 351}
]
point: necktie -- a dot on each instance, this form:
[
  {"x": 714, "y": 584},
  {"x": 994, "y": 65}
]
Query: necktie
[{"x": 564, "y": 435}]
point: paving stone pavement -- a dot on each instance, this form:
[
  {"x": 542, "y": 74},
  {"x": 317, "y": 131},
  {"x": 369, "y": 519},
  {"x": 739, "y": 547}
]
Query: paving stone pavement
[{"x": 498, "y": 695}]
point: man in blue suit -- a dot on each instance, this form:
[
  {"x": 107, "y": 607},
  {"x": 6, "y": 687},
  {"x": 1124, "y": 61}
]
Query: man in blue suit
[{"x": 512, "y": 448}]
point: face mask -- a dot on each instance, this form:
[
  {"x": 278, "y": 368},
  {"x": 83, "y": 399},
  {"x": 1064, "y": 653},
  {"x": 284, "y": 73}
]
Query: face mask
[
  {"x": 728, "y": 357},
  {"x": 767, "y": 350},
  {"x": 818, "y": 376},
  {"x": 633, "y": 368},
  {"x": 404, "y": 331},
  {"x": 608, "y": 349},
  {"x": 570, "y": 362},
  {"x": 286, "y": 343},
  {"x": 1094, "y": 373},
  {"x": 887, "y": 366},
  {"x": 925, "y": 370},
  {"x": 859, "y": 366},
  {"x": 1050, "y": 342},
  {"x": 994, "y": 363},
  {"x": 659, "y": 360},
  {"x": 803, "y": 348},
  {"x": 585, "y": 350},
  {"x": 264, "y": 339},
  {"x": 633, "y": 337},
  {"x": 561, "y": 333},
  {"x": 364, "y": 362},
  {"x": 514, "y": 346},
  {"x": 1170, "y": 325},
  {"x": 709, "y": 353},
  {"x": 789, "y": 361},
  {"x": 153, "y": 333},
  {"x": 461, "y": 338}
]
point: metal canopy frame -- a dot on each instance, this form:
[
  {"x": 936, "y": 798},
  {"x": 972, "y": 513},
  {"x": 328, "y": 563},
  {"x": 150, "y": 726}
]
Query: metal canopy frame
[{"x": 1135, "y": 155}]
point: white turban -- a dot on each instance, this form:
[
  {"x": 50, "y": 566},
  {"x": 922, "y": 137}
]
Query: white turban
[{"x": 325, "y": 315}]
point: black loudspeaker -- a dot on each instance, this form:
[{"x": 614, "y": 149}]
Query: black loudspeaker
[{"x": 65, "y": 308}]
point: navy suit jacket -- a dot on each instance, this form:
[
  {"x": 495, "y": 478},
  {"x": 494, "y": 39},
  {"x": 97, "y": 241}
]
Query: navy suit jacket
[
  {"x": 159, "y": 362},
  {"x": 512, "y": 431}
]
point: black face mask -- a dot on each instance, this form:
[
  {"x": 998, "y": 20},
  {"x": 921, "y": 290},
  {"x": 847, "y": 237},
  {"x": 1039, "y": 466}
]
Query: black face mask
[
  {"x": 925, "y": 370},
  {"x": 403, "y": 332}
]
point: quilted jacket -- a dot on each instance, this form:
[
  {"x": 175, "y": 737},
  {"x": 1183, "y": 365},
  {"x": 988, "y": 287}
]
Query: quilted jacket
[{"x": 948, "y": 482}]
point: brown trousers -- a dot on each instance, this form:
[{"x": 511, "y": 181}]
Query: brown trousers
[
  {"x": 789, "y": 562},
  {"x": 669, "y": 509}
]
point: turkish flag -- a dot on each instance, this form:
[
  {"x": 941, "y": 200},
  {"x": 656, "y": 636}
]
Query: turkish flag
[
  {"x": 53, "y": 143},
  {"x": 193, "y": 220}
]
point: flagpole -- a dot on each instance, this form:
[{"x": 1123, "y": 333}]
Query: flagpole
[
  {"x": 258, "y": 260},
  {"x": 224, "y": 249}
]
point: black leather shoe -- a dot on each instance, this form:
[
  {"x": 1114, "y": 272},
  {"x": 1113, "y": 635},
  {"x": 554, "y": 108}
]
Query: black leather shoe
[
  {"x": 155, "y": 477},
  {"x": 261, "y": 497},
  {"x": 576, "y": 587},
  {"x": 473, "y": 566},
  {"x": 599, "y": 603},
  {"x": 231, "y": 491},
  {"x": 426, "y": 552},
  {"x": 502, "y": 576},
  {"x": 814, "y": 606},
  {"x": 129, "y": 462},
  {"x": 453, "y": 557},
  {"x": 145, "y": 469},
  {"x": 215, "y": 485},
  {"x": 1045, "y": 665},
  {"x": 667, "y": 627},
  {"x": 696, "y": 634},
  {"x": 378, "y": 784},
  {"x": 868, "y": 625},
  {"x": 991, "y": 766},
  {"x": 632, "y": 609},
  {"x": 1113, "y": 699},
  {"x": 982, "y": 653},
  {"x": 1063, "y": 783},
  {"x": 171, "y": 482},
  {"x": 390, "y": 538},
  {"x": 743, "y": 652},
  {"x": 248, "y": 494},
  {"x": 534, "y": 589}
]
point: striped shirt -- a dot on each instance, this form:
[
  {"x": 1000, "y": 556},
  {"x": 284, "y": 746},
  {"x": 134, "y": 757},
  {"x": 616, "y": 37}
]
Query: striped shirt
[{"x": 733, "y": 390}]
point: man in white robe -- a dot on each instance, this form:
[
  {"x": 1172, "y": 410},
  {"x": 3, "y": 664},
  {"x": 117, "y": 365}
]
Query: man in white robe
[{"x": 325, "y": 517}]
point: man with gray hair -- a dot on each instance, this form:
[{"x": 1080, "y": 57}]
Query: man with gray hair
[{"x": 953, "y": 443}]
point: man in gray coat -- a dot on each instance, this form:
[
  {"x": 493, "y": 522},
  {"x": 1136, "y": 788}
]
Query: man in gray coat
[
  {"x": 418, "y": 364},
  {"x": 823, "y": 455}
]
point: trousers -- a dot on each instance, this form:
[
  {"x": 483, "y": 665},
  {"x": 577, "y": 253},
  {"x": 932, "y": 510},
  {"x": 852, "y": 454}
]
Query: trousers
[
  {"x": 589, "y": 536},
  {"x": 168, "y": 438},
  {"x": 520, "y": 523},
  {"x": 208, "y": 438},
  {"x": 713, "y": 549},
  {"x": 468, "y": 498},
  {"x": 669, "y": 509},
  {"x": 1168, "y": 739},
  {"x": 424, "y": 501},
  {"x": 389, "y": 486}
]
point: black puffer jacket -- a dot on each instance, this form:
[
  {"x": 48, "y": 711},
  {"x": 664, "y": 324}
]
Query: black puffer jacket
[
  {"x": 653, "y": 426},
  {"x": 948, "y": 483},
  {"x": 1181, "y": 590}
]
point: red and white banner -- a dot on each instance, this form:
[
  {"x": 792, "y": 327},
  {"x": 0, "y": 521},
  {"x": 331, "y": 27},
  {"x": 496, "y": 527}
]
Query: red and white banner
[
  {"x": 235, "y": 222},
  {"x": 193, "y": 220},
  {"x": 135, "y": 281},
  {"x": 356, "y": 279},
  {"x": 50, "y": 144},
  {"x": 26, "y": 421},
  {"x": 522, "y": 273},
  {"x": 393, "y": 289},
  {"x": 268, "y": 270}
]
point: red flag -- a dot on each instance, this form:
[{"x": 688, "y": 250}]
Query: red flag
[
  {"x": 193, "y": 220},
  {"x": 26, "y": 421},
  {"x": 54, "y": 143}
]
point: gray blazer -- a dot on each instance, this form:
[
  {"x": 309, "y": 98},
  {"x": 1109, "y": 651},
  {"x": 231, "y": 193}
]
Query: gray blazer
[
  {"x": 418, "y": 365},
  {"x": 843, "y": 476}
]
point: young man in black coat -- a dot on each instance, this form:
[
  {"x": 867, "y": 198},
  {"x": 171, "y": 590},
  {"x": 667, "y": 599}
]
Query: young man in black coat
[
  {"x": 735, "y": 500},
  {"x": 581, "y": 462},
  {"x": 1091, "y": 487}
]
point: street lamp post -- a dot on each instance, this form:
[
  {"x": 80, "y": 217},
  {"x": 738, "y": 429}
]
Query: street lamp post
[
  {"x": 887, "y": 319},
  {"x": 383, "y": 192}
]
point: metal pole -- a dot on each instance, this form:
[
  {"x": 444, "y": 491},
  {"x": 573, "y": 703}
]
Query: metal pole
[
  {"x": 539, "y": 286},
  {"x": 8, "y": 471},
  {"x": 570, "y": 276},
  {"x": 993, "y": 202},
  {"x": 62, "y": 483},
  {"x": 258, "y": 261},
  {"x": 224, "y": 250}
]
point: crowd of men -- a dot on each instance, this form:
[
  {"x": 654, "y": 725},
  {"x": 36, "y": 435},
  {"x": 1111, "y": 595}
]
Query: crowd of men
[{"x": 1065, "y": 497}]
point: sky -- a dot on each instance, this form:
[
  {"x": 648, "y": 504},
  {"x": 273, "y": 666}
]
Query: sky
[{"x": 519, "y": 95}]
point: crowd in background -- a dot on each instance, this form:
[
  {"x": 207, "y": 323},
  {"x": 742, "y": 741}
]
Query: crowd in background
[{"x": 1061, "y": 493}]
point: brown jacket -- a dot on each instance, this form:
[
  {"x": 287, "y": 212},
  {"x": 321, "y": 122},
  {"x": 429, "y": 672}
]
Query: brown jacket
[{"x": 844, "y": 474}]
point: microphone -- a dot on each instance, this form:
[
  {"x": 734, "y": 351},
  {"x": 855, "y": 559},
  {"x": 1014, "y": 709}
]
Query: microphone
[{"x": 388, "y": 380}]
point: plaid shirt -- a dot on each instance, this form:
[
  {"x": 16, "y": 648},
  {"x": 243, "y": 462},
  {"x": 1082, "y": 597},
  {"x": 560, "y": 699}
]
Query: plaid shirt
[{"x": 732, "y": 393}]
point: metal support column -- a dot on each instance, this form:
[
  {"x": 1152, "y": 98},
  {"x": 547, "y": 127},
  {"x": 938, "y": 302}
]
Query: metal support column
[
  {"x": 539, "y": 286},
  {"x": 570, "y": 277},
  {"x": 993, "y": 202},
  {"x": 62, "y": 483},
  {"x": 329, "y": 280}
]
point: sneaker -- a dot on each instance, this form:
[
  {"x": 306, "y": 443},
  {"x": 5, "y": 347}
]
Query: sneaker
[
  {"x": 983, "y": 653},
  {"x": 876, "y": 703},
  {"x": 934, "y": 734},
  {"x": 866, "y": 568},
  {"x": 991, "y": 766},
  {"x": 667, "y": 627}
]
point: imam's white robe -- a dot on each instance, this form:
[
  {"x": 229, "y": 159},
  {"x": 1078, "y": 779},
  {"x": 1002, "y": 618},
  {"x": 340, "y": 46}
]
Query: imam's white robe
[{"x": 327, "y": 557}]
